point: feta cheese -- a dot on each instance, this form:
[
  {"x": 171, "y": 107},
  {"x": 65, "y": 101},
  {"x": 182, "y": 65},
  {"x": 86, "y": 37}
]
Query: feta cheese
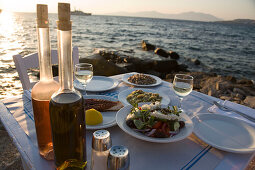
[
  {"x": 146, "y": 107},
  {"x": 137, "y": 110},
  {"x": 160, "y": 115},
  {"x": 155, "y": 105}
]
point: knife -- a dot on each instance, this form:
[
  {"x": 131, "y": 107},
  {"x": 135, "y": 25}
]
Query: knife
[
  {"x": 220, "y": 106},
  {"x": 227, "y": 108}
]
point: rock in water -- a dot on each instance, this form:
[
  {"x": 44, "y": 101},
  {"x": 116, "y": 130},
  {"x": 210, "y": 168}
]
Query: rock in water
[
  {"x": 103, "y": 67},
  {"x": 166, "y": 66},
  {"x": 196, "y": 61},
  {"x": 174, "y": 55},
  {"x": 147, "y": 46},
  {"x": 161, "y": 52}
]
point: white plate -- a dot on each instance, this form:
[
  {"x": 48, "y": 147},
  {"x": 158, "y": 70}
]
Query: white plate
[
  {"x": 225, "y": 133},
  {"x": 98, "y": 84},
  {"x": 126, "y": 76},
  {"x": 108, "y": 117},
  {"x": 184, "y": 132},
  {"x": 123, "y": 95}
]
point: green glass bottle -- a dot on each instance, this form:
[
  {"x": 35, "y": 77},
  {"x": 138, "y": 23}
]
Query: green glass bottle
[{"x": 66, "y": 106}]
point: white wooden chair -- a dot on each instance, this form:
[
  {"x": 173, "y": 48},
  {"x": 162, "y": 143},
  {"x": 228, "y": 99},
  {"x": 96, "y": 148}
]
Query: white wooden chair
[{"x": 31, "y": 61}]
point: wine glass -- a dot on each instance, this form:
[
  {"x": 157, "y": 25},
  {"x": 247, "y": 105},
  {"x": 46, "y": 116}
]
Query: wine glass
[
  {"x": 182, "y": 85},
  {"x": 83, "y": 72}
]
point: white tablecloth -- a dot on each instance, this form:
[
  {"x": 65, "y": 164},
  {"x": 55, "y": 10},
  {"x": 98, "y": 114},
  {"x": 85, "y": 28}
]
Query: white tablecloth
[{"x": 190, "y": 153}]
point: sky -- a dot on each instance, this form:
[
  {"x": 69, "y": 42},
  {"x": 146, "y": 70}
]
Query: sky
[{"x": 224, "y": 9}]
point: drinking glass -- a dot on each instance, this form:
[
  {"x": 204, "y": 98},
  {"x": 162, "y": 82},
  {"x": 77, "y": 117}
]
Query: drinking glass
[
  {"x": 83, "y": 72},
  {"x": 182, "y": 86}
]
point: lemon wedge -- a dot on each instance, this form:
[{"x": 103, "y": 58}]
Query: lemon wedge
[{"x": 93, "y": 117}]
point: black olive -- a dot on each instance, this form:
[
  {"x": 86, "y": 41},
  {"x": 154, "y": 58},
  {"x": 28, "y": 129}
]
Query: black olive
[
  {"x": 182, "y": 124},
  {"x": 130, "y": 123},
  {"x": 160, "y": 134}
]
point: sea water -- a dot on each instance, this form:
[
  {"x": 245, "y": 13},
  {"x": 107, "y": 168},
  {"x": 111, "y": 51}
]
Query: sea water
[{"x": 222, "y": 48}]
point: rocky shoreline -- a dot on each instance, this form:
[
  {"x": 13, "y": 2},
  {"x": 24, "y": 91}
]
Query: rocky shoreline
[{"x": 108, "y": 63}]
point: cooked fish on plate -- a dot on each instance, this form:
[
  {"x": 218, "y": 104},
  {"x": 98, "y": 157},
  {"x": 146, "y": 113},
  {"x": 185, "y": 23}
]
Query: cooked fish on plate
[
  {"x": 102, "y": 105},
  {"x": 108, "y": 106}
]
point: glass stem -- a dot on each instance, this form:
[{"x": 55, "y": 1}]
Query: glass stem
[
  {"x": 84, "y": 92},
  {"x": 180, "y": 103}
]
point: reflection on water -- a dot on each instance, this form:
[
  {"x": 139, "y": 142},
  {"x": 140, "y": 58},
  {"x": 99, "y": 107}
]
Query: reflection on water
[{"x": 9, "y": 46}]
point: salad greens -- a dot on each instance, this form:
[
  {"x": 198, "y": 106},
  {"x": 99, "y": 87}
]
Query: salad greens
[{"x": 154, "y": 121}]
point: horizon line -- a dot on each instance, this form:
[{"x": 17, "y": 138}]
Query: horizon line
[{"x": 112, "y": 14}]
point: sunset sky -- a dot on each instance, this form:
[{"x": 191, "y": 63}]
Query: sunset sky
[{"x": 225, "y": 9}]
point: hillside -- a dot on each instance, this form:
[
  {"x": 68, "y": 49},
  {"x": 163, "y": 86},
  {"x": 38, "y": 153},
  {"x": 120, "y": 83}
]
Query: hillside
[{"x": 194, "y": 16}]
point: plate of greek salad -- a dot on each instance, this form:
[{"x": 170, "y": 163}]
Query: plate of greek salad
[{"x": 154, "y": 122}]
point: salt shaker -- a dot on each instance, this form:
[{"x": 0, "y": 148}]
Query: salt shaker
[
  {"x": 118, "y": 158},
  {"x": 101, "y": 144}
]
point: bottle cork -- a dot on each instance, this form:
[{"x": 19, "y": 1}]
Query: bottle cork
[
  {"x": 64, "y": 22},
  {"x": 42, "y": 16}
]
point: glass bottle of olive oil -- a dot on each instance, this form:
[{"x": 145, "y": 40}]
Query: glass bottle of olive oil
[{"x": 66, "y": 105}]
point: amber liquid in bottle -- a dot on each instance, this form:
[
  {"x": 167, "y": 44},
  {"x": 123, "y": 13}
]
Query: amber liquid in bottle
[
  {"x": 43, "y": 90},
  {"x": 43, "y": 129},
  {"x": 68, "y": 129},
  {"x": 41, "y": 94}
]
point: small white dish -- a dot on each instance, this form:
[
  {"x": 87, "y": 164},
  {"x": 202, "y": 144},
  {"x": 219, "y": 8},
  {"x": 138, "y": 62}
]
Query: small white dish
[
  {"x": 98, "y": 84},
  {"x": 108, "y": 117},
  {"x": 184, "y": 132},
  {"x": 123, "y": 95},
  {"x": 126, "y": 76},
  {"x": 225, "y": 133}
]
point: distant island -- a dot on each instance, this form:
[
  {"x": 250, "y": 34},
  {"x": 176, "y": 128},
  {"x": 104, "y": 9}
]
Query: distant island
[
  {"x": 78, "y": 12},
  {"x": 239, "y": 21},
  {"x": 193, "y": 16}
]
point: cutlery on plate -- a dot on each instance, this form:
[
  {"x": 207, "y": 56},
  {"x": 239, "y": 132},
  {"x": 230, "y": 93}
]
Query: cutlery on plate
[
  {"x": 220, "y": 106},
  {"x": 226, "y": 108}
]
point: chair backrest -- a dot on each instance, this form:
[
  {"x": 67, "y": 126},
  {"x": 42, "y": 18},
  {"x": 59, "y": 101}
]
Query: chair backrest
[{"x": 31, "y": 61}]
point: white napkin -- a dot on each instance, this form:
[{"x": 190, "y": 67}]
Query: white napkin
[{"x": 244, "y": 109}]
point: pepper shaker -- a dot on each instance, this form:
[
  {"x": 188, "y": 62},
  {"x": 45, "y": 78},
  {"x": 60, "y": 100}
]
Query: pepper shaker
[
  {"x": 118, "y": 158},
  {"x": 101, "y": 144}
]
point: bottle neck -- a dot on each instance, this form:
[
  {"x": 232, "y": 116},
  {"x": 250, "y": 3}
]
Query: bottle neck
[
  {"x": 65, "y": 59},
  {"x": 44, "y": 54}
]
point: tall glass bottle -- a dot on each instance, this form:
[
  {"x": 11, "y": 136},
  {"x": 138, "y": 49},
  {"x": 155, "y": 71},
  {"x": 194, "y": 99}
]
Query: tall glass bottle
[
  {"x": 66, "y": 106},
  {"x": 43, "y": 90}
]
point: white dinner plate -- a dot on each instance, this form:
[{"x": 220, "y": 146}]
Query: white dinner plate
[
  {"x": 108, "y": 117},
  {"x": 225, "y": 133},
  {"x": 184, "y": 132},
  {"x": 98, "y": 84},
  {"x": 126, "y": 76},
  {"x": 123, "y": 95}
]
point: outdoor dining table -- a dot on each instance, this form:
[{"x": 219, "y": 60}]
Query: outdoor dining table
[{"x": 190, "y": 153}]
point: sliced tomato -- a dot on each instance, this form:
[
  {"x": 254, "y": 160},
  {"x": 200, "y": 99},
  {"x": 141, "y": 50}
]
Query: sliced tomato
[
  {"x": 166, "y": 129},
  {"x": 157, "y": 125}
]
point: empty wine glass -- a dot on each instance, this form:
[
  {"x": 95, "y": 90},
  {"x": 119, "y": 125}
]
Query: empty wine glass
[
  {"x": 83, "y": 72},
  {"x": 182, "y": 85}
]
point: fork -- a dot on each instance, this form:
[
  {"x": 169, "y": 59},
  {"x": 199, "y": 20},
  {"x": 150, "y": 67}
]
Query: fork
[{"x": 225, "y": 108}]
